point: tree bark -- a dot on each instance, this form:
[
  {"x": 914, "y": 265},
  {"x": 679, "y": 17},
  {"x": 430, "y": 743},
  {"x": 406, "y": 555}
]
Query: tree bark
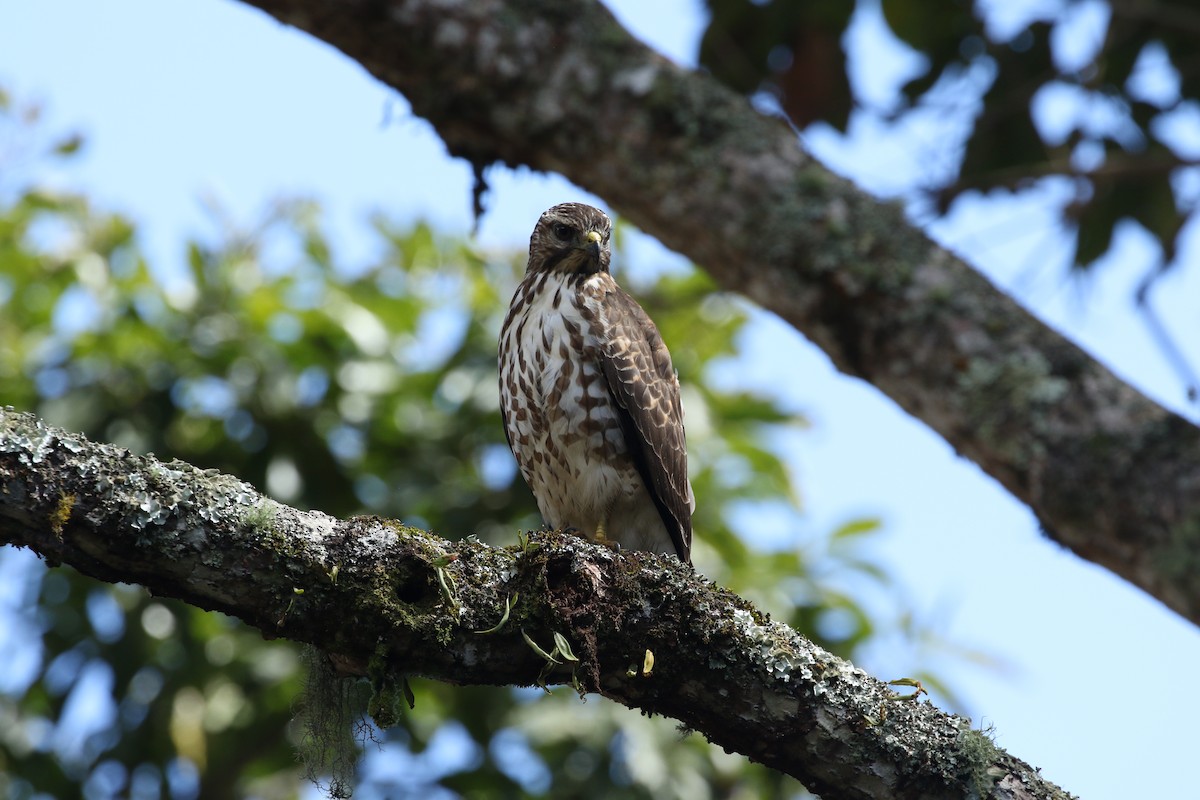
[
  {"x": 562, "y": 87},
  {"x": 386, "y": 600}
]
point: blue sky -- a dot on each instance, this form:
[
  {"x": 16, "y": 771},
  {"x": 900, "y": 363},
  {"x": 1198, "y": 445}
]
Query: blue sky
[{"x": 186, "y": 101}]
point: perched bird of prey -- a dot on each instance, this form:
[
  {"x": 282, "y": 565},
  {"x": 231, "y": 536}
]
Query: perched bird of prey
[{"x": 588, "y": 395}]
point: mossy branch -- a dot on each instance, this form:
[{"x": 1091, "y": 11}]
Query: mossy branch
[{"x": 370, "y": 593}]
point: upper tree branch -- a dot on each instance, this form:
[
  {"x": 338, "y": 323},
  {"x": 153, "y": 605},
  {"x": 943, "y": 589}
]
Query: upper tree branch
[
  {"x": 561, "y": 86},
  {"x": 369, "y": 592}
]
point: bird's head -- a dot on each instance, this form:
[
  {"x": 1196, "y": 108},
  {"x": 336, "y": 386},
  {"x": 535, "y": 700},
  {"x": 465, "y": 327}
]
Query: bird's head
[{"x": 571, "y": 239}]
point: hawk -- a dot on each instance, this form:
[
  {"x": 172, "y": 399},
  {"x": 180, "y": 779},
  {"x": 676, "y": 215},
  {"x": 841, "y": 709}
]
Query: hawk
[{"x": 589, "y": 397}]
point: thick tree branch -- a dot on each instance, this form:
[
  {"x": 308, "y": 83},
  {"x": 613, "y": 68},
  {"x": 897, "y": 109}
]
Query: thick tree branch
[
  {"x": 387, "y": 600},
  {"x": 562, "y": 87}
]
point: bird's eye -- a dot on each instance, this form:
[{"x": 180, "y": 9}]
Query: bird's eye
[{"x": 562, "y": 230}]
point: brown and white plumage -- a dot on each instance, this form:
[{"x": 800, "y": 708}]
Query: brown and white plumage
[{"x": 589, "y": 397}]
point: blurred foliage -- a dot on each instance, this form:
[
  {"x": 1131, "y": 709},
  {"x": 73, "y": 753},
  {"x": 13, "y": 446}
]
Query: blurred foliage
[
  {"x": 349, "y": 388},
  {"x": 1123, "y": 92}
]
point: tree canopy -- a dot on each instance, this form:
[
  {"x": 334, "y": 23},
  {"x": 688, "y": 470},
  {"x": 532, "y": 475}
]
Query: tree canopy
[{"x": 1128, "y": 85}]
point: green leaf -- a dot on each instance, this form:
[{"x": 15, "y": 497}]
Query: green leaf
[
  {"x": 537, "y": 649},
  {"x": 69, "y": 146},
  {"x": 858, "y": 527},
  {"x": 1094, "y": 223},
  {"x": 563, "y": 648}
]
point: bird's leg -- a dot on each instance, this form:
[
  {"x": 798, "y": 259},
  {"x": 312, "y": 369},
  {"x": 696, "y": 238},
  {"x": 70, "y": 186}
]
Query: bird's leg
[{"x": 601, "y": 534}]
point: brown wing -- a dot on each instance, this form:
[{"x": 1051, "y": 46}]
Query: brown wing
[{"x": 642, "y": 382}]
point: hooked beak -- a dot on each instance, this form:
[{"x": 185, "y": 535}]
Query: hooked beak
[{"x": 593, "y": 245}]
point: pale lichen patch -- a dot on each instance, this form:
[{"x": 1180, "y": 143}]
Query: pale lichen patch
[{"x": 778, "y": 649}]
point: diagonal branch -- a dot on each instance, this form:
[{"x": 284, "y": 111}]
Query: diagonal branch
[
  {"x": 562, "y": 87},
  {"x": 368, "y": 591}
]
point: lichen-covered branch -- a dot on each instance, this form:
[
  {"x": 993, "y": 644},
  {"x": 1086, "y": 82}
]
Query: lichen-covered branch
[
  {"x": 562, "y": 87},
  {"x": 386, "y": 600}
]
